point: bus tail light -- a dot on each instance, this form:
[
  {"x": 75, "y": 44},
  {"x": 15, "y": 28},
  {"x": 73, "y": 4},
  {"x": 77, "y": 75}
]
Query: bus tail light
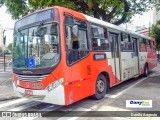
[{"x": 55, "y": 84}]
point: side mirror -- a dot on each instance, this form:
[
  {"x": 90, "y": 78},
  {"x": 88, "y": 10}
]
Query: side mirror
[{"x": 75, "y": 30}]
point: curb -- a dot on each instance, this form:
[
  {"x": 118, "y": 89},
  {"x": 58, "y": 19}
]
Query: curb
[{"x": 8, "y": 98}]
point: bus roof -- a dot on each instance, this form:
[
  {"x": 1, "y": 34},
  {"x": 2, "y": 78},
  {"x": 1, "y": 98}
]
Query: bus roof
[
  {"x": 109, "y": 25},
  {"x": 93, "y": 20},
  {"x": 103, "y": 23}
]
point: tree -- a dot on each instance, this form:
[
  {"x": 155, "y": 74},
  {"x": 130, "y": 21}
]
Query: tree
[
  {"x": 10, "y": 47},
  {"x": 155, "y": 33},
  {"x": 0, "y": 49},
  {"x": 1, "y": 3},
  {"x": 113, "y": 11}
]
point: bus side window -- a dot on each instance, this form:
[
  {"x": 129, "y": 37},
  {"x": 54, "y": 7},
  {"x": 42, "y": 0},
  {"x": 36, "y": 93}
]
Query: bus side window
[
  {"x": 149, "y": 46},
  {"x": 154, "y": 46},
  {"x": 82, "y": 38},
  {"x": 145, "y": 43},
  {"x": 68, "y": 37},
  {"x": 100, "y": 40},
  {"x": 142, "y": 47},
  {"x": 76, "y": 43},
  {"x": 135, "y": 47},
  {"x": 126, "y": 43}
]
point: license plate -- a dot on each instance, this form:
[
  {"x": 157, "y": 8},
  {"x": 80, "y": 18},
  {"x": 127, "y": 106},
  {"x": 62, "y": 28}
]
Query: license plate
[{"x": 28, "y": 92}]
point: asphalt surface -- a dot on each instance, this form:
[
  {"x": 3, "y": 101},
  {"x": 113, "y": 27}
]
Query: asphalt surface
[{"x": 6, "y": 87}]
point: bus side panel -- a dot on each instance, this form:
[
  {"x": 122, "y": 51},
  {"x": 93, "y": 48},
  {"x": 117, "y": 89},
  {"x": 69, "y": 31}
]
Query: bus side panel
[
  {"x": 112, "y": 65},
  {"x": 128, "y": 65},
  {"x": 147, "y": 57},
  {"x": 107, "y": 66},
  {"x": 84, "y": 75},
  {"x": 69, "y": 93},
  {"x": 151, "y": 60},
  {"x": 82, "y": 78},
  {"x": 142, "y": 61}
]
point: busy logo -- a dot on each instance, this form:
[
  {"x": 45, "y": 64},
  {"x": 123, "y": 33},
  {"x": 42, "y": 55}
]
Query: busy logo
[{"x": 139, "y": 103}]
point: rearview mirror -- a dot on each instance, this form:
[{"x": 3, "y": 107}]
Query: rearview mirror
[
  {"x": 75, "y": 30},
  {"x": 50, "y": 39}
]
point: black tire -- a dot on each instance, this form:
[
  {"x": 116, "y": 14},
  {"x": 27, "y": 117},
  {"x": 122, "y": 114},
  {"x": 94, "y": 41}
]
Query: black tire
[
  {"x": 100, "y": 87},
  {"x": 145, "y": 70}
]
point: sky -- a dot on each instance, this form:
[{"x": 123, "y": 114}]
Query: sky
[
  {"x": 141, "y": 20},
  {"x": 7, "y": 22}
]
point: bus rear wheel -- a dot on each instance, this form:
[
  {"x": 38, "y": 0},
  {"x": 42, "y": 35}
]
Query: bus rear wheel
[
  {"x": 145, "y": 70},
  {"x": 100, "y": 87}
]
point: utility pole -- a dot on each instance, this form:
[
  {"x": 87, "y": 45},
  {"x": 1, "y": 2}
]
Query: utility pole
[{"x": 4, "y": 42}]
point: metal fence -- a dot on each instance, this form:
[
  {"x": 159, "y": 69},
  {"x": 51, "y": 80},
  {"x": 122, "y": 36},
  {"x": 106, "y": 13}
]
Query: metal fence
[{"x": 5, "y": 62}]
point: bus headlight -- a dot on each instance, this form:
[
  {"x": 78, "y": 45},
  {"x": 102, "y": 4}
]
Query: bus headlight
[{"x": 55, "y": 84}]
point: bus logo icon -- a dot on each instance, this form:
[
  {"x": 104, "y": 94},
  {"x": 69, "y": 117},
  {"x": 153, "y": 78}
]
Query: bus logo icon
[{"x": 6, "y": 114}]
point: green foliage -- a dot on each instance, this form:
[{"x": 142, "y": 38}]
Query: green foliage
[
  {"x": 1, "y": 3},
  {"x": 155, "y": 33},
  {"x": 5, "y": 51},
  {"x": 10, "y": 47},
  {"x": 17, "y": 8},
  {"x": 114, "y": 11},
  {"x": 0, "y": 49}
]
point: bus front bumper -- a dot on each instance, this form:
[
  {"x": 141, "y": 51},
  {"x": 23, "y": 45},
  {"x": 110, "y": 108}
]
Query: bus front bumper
[{"x": 56, "y": 96}]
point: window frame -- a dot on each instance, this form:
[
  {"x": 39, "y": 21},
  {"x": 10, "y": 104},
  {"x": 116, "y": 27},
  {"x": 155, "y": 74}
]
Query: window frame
[
  {"x": 78, "y": 50},
  {"x": 129, "y": 41},
  {"x": 100, "y": 37}
]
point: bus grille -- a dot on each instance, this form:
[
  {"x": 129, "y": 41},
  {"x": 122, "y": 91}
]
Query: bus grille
[{"x": 31, "y": 78}]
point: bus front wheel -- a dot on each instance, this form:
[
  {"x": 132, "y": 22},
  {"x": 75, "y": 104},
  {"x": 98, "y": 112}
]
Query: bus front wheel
[{"x": 100, "y": 87}]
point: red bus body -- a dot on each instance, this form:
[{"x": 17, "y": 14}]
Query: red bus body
[{"x": 79, "y": 79}]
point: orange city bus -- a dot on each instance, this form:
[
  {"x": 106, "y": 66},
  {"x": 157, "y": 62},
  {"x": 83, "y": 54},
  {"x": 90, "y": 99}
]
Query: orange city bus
[{"x": 61, "y": 56}]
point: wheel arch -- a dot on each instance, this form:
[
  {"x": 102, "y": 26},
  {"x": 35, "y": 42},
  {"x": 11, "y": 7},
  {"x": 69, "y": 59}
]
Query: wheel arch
[
  {"x": 106, "y": 75},
  {"x": 146, "y": 67},
  {"x": 146, "y": 64}
]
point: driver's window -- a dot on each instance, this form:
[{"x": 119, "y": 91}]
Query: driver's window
[
  {"x": 68, "y": 37},
  {"x": 76, "y": 41}
]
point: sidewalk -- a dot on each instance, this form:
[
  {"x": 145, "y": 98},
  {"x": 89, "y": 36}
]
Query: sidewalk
[
  {"x": 6, "y": 87},
  {"x": 7, "y": 69}
]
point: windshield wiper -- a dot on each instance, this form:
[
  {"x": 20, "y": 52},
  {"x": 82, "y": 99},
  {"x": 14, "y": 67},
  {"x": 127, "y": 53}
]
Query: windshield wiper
[
  {"x": 39, "y": 27},
  {"x": 41, "y": 24}
]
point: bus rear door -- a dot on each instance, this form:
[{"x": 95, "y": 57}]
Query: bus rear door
[{"x": 136, "y": 59}]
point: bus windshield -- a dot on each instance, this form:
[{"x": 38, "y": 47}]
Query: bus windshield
[{"x": 36, "y": 47}]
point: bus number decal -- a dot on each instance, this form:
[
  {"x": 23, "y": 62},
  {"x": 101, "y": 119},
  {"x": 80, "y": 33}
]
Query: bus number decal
[{"x": 99, "y": 56}]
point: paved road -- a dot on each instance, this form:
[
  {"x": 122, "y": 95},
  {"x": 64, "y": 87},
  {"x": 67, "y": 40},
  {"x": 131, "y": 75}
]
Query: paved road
[
  {"x": 140, "y": 88},
  {"x": 7, "y": 69},
  {"x": 6, "y": 87}
]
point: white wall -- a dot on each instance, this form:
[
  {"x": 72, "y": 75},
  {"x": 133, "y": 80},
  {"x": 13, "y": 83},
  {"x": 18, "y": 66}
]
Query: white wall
[{"x": 1, "y": 38}]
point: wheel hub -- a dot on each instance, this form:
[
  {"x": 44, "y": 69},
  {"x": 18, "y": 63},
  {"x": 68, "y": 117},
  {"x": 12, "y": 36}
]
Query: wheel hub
[{"x": 100, "y": 86}]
